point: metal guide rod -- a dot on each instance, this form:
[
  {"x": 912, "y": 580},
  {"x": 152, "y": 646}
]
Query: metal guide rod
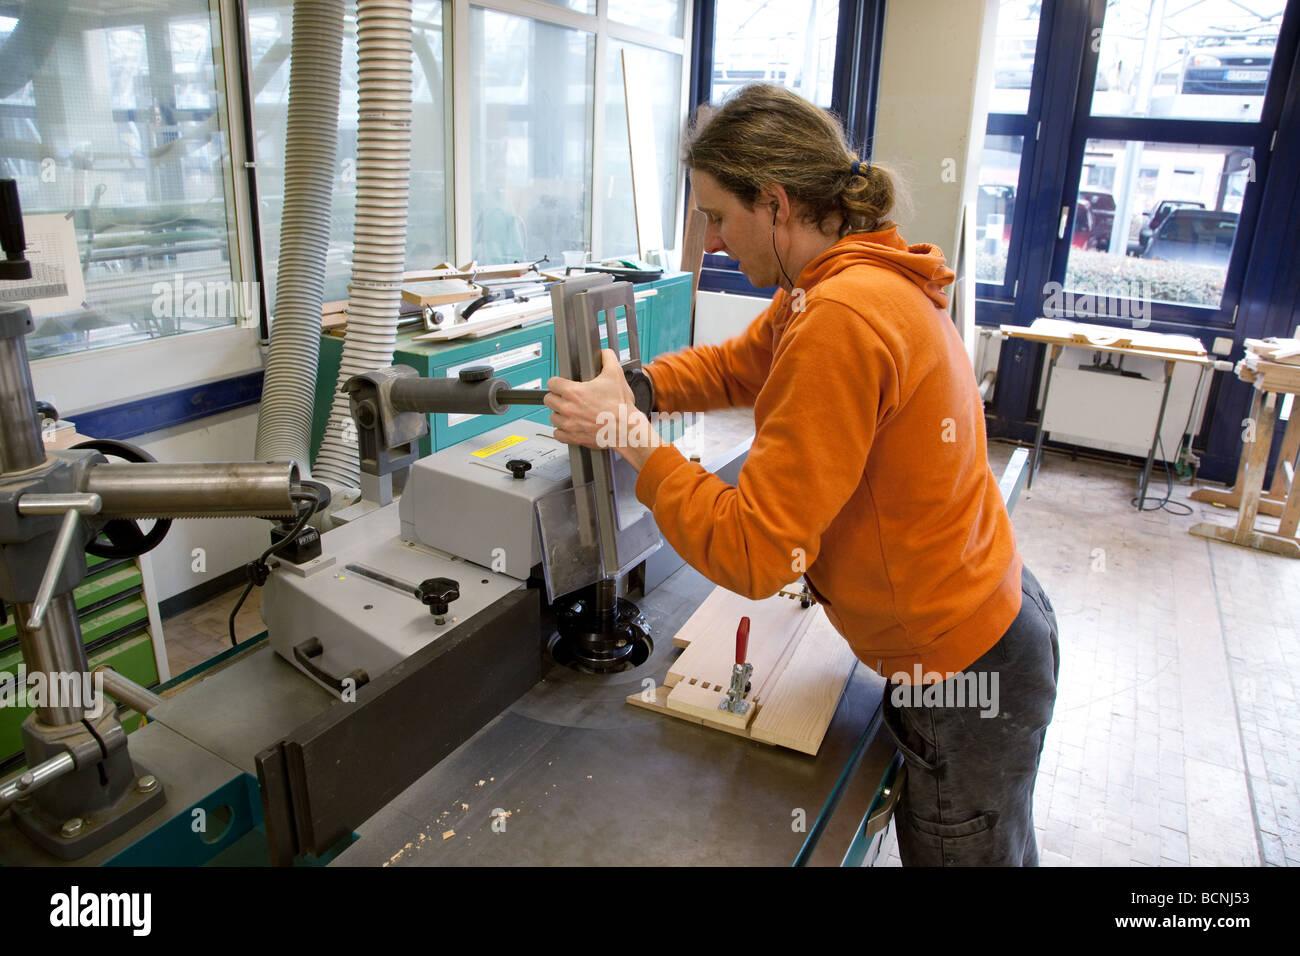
[
  {"x": 29, "y": 781},
  {"x": 126, "y": 691},
  {"x": 72, "y": 506},
  {"x": 195, "y": 489},
  {"x": 53, "y": 648}
]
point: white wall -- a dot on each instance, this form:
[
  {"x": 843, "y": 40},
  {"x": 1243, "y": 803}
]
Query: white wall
[
  {"x": 226, "y": 543},
  {"x": 932, "y": 107},
  {"x": 108, "y": 377},
  {"x": 719, "y": 316}
]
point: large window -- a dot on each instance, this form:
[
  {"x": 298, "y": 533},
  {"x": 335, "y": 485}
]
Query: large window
[
  {"x": 791, "y": 44},
  {"x": 111, "y": 121},
  {"x": 1010, "y": 127},
  {"x": 114, "y": 123},
  {"x": 530, "y": 102},
  {"x": 1152, "y": 184},
  {"x": 1168, "y": 140},
  {"x": 541, "y": 131},
  {"x": 663, "y": 75},
  {"x": 270, "y": 32}
]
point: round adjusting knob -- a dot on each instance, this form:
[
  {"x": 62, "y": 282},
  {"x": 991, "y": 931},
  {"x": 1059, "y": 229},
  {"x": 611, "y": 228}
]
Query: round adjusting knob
[
  {"x": 519, "y": 466},
  {"x": 437, "y": 593}
]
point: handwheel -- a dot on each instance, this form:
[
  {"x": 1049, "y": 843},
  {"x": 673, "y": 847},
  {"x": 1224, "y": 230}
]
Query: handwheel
[{"x": 125, "y": 539}]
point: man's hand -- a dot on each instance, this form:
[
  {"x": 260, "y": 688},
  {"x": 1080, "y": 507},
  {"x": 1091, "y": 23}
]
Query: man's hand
[{"x": 601, "y": 413}]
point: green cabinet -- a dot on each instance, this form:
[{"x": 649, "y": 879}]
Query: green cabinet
[
  {"x": 523, "y": 356},
  {"x": 113, "y": 612}
]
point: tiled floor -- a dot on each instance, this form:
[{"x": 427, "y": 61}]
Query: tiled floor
[
  {"x": 1176, "y": 737},
  {"x": 203, "y": 632}
]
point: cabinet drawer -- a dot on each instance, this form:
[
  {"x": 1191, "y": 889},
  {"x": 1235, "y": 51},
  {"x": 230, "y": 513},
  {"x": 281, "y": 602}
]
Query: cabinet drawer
[{"x": 450, "y": 429}]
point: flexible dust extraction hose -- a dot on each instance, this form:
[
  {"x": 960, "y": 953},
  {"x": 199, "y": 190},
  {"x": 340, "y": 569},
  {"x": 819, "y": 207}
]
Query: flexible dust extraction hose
[
  {"x": 311, "y": 141},
  {"x": 383, "y": 190}
]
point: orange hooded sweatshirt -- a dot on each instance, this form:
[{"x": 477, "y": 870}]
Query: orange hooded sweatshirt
[{"x": 868, "y": 472}]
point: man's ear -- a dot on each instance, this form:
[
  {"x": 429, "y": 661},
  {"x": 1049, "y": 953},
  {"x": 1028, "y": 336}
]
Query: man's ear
[{"x": 774, "y": 197}]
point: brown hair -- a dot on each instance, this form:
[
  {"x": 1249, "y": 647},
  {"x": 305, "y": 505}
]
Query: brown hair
[{"x": 767, "y": 134}]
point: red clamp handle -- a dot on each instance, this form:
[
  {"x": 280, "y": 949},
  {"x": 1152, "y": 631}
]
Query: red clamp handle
[{"x": 742, "y": 640}]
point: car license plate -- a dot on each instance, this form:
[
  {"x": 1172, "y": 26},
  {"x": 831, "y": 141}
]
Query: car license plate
[{"x": 1246, "y": 76}]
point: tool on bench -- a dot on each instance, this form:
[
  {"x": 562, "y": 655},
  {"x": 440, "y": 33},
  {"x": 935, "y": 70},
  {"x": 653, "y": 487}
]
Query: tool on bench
[{"x": 740, "y": 673}]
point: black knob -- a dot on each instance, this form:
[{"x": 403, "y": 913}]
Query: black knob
[
  {"x": 476, "y": 373},
  {"x": 437, "y": 593},
  {"x": 518, "y": 466}
]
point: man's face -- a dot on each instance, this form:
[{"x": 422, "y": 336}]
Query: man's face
[{"x": 743, "y": 234}]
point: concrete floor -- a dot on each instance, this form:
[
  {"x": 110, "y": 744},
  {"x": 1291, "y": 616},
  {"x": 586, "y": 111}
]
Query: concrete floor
[{"x": 1176, "y": 738}]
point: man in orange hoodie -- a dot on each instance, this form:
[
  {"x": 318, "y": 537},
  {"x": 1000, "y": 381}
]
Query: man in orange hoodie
[{"x": 868, "y": 472}]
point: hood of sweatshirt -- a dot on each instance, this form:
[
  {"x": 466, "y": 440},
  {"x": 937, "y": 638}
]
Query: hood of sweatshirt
[{"x": 922, "y": 263}]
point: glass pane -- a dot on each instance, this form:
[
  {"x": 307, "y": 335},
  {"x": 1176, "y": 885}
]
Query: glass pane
[
  {"x": 790, "y": 43},
  {"x": 582, "y": 6},
  {"x": 661, "y": 16},
  {"x": 1014, "y": 64},
  {"x": 530, "y": 101},
  {"x": 663, "y": 74},
  {"x": 1157, "y": 221},
  {"x": 270, "y": 24},
  {"x": 1204, "y": 59},
  {"x": 996, "y": 206},
  {"x": 119, "y": 128}
]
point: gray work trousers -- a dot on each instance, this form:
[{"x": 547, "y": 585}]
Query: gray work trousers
[{"x": 972, "y": 745}]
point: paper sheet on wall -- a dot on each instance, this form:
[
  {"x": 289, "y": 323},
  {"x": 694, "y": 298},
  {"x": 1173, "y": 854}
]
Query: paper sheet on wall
[{"x": 57, "y": 284}]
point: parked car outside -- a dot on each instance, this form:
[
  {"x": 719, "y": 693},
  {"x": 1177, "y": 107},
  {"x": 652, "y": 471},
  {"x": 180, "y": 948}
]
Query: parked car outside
[
  {"x": 1197, "y": 236},
  {"x": 1228, "y": 65}
]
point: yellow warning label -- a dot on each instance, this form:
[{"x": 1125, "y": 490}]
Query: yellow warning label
[{"x": 497, "y": 446}]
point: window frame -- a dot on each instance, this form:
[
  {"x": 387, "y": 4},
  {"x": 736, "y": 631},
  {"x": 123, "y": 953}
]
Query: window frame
[
  {"x": 1065, "y": 69},
  {"x": 605, "y": 29}
]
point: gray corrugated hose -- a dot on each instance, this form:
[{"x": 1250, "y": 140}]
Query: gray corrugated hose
[
  {"x": 311, "y": 141},
  {"x": 383, "y": 189}
]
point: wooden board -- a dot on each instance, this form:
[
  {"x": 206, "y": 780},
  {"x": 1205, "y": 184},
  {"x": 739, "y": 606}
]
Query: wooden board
[
  {"x": 447, "y": 270},
  {"x": 501, "y": 317},
  {"x": 800, "y": 662},
  {"x": 440, "y": 292},
  {"x": 1083, "y": 335},
  {"x": 1284, "y": 351},
  {"x": 799, "y": 708},
  {"x": 1270, "y": 376},
  {"x": 638, "y": 98},
  {"x": 693, "y": 248}
]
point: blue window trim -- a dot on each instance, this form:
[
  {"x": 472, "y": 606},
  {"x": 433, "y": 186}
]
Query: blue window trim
[
  {"x": 172, "y": 408},
  {"x": 720, "y": 274},
  {"x": 853, "y": 99},
  {"x": 1263, "y": 274}
]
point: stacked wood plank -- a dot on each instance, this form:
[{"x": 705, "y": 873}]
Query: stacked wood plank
[
  {"x": 1273, "y": 367},
  {"x": 1271, "y": 364}
]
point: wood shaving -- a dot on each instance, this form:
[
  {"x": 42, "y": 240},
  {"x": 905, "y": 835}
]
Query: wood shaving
[
  {"x": 464, "y": 806},
  {"x": 448, "y": 834},
  {"x": 480, "y": 783}
]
